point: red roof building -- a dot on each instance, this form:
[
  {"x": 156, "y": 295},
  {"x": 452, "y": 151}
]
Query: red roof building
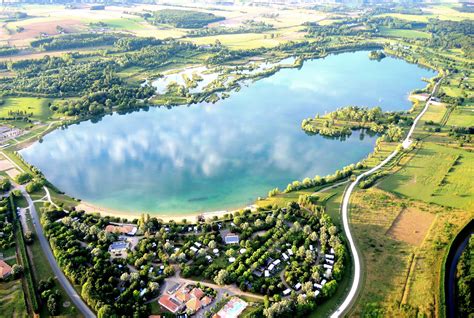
[
  {"x": 169, "y": 303},
  {"x": 197, "y": 292},
  {"x": 5, "y": 270}
]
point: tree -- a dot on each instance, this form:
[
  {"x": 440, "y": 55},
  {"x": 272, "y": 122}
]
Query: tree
[
  {"x": 53, "y": 305},
  {"x": 329, "y": 289},
  {"x": 106, "y": 311},
  {"x": 17, "y": 270},
  {"x": 221, "y": 277}
]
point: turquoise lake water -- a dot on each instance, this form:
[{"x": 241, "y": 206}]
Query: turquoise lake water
[{"x": 210, "y": 157}]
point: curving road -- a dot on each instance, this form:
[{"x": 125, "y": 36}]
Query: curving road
[
  {"x": 352, "y": 295},
  {"x": 67, "y": 286}
]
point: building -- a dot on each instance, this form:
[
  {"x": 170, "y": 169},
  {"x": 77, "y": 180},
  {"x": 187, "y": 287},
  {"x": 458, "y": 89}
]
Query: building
[
  {"x": 197, "y": 293},
  {"x": 5, "y": 270},
  {"x": 119, "y": 247},
  {"x": 231, "y": 238},
  {"x": 182, "y": 295},
  {"x": 126, "y": 229},
  {"x": 206, "y": 301},
  {"x": 170, "y": 303},
  {"x": 193, "y": 305}
]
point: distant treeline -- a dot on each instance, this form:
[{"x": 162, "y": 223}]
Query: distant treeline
[
  {"x": 7, "y": 51},
  {"x": 75, "y": 41}
]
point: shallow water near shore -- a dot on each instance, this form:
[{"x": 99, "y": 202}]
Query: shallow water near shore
[{"x": 209, "y": 157}]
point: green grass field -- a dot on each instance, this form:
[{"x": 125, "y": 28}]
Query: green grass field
[
  {"x": 402, "y": 255},
  {"x": 401, "y": 33},
  {"x": 12, "y": 301},
  {"x": 462, "y": 116},
  {"x": 239, "y": 41},
  {"x": 38, "y": 107},
  {"x": 437, "y": 174},
  {"x": 434, "y": 113}
]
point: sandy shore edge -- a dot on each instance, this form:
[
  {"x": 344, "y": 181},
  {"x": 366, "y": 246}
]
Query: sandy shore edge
[{"x": 190, "y": 217}]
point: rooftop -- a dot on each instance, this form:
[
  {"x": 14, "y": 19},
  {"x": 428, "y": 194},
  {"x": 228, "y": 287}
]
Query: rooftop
[
  {"x": 5, "y": 269},
  {"x": 169, "y": 303}
]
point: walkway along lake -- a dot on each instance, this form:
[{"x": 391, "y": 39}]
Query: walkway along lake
[{"x": 209, "y": 157}]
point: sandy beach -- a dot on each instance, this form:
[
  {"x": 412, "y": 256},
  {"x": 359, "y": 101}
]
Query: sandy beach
[{"x": 190, "y": 217}]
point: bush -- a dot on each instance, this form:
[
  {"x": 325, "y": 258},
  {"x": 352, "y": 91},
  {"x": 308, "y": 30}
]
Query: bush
[{"x": 23, "y": 177}]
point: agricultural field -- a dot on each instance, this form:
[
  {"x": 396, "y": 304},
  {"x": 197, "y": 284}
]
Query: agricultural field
[
  {"x": 12, "y": 301},
  {"x": 403, "y": 242},
  {"x": 436, "y": 174}
]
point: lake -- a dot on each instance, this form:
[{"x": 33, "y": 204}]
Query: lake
[{"x": 209, "y": 157}]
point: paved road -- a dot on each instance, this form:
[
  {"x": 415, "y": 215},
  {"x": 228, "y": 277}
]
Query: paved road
[
  {"x": 351, "y": 297},
  {"x": 76, "y": 299}
]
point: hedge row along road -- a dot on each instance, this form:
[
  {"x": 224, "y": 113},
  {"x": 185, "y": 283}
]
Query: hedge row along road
[{"x": 352, "y": 295}]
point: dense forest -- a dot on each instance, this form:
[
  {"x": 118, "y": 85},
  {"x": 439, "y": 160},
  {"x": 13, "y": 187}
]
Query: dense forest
[
  {"x": 186, "y": 19},
  {"x": 465, "y": 281}
]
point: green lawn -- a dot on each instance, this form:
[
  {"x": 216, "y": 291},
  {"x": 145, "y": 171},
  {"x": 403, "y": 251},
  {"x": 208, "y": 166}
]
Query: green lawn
[
  {"x": 462, "y": 116},
  {"x": 30, "y": 105},
  {"x": 12, "y": 301},
  {"x": 434, "y": 113},
  {"x": 401, "y": 33},
  {"x": 437, "y": 174}
]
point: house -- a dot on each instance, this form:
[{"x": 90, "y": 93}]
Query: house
[
  {"x": 182, "y": 295},
  {"x": 328, "y": 256},
  {"x": 323, "y": 282},
  {"x": 298, "y": 286},
  {"x": 267, "y": 273},
  {"x": 271, "y": 267},
  {"x": 318, "y": 286},
  {"x": 198, "y": 245},
  {"x": 192, "y": 248},
  {"x": 119, "y": 247},
  {"x": 276, "y": 262},
  {"x": 170, "y": 303},
  {"x": 286, "y": 292},
  {"x": 290, "y": 252},
  {"x": 330, "y": 262},
  {"x": 231, "y": 238},
  {"x": 193, "y": 305},
  {"x": 209, "y": 258},
  {"x": 231, "y": 259},
  {"x": 327, "y": 266},
  {"x": 126, "y": 229},
  {"x": 197, "y": 293},
  {"x": 5, "y": 270},
  {"x": 285, "y": 257},
  {"x": 206, "y": 301},
  {"x": 316, "y": 293},
  {"x": 242, "y": 250}
]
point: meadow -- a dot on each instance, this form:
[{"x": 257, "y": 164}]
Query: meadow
[
  {"x": 35, "y": 106},
  {"x": 12, "y": 302},
  {"x": 402, "y": 33},
  {"x": 437, "y": 174},
  {"x": 402, "y": 243}
]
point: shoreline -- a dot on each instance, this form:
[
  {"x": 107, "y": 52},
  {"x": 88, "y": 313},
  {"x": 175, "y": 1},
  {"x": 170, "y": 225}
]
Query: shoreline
[{"x": 130, "y": 216}]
